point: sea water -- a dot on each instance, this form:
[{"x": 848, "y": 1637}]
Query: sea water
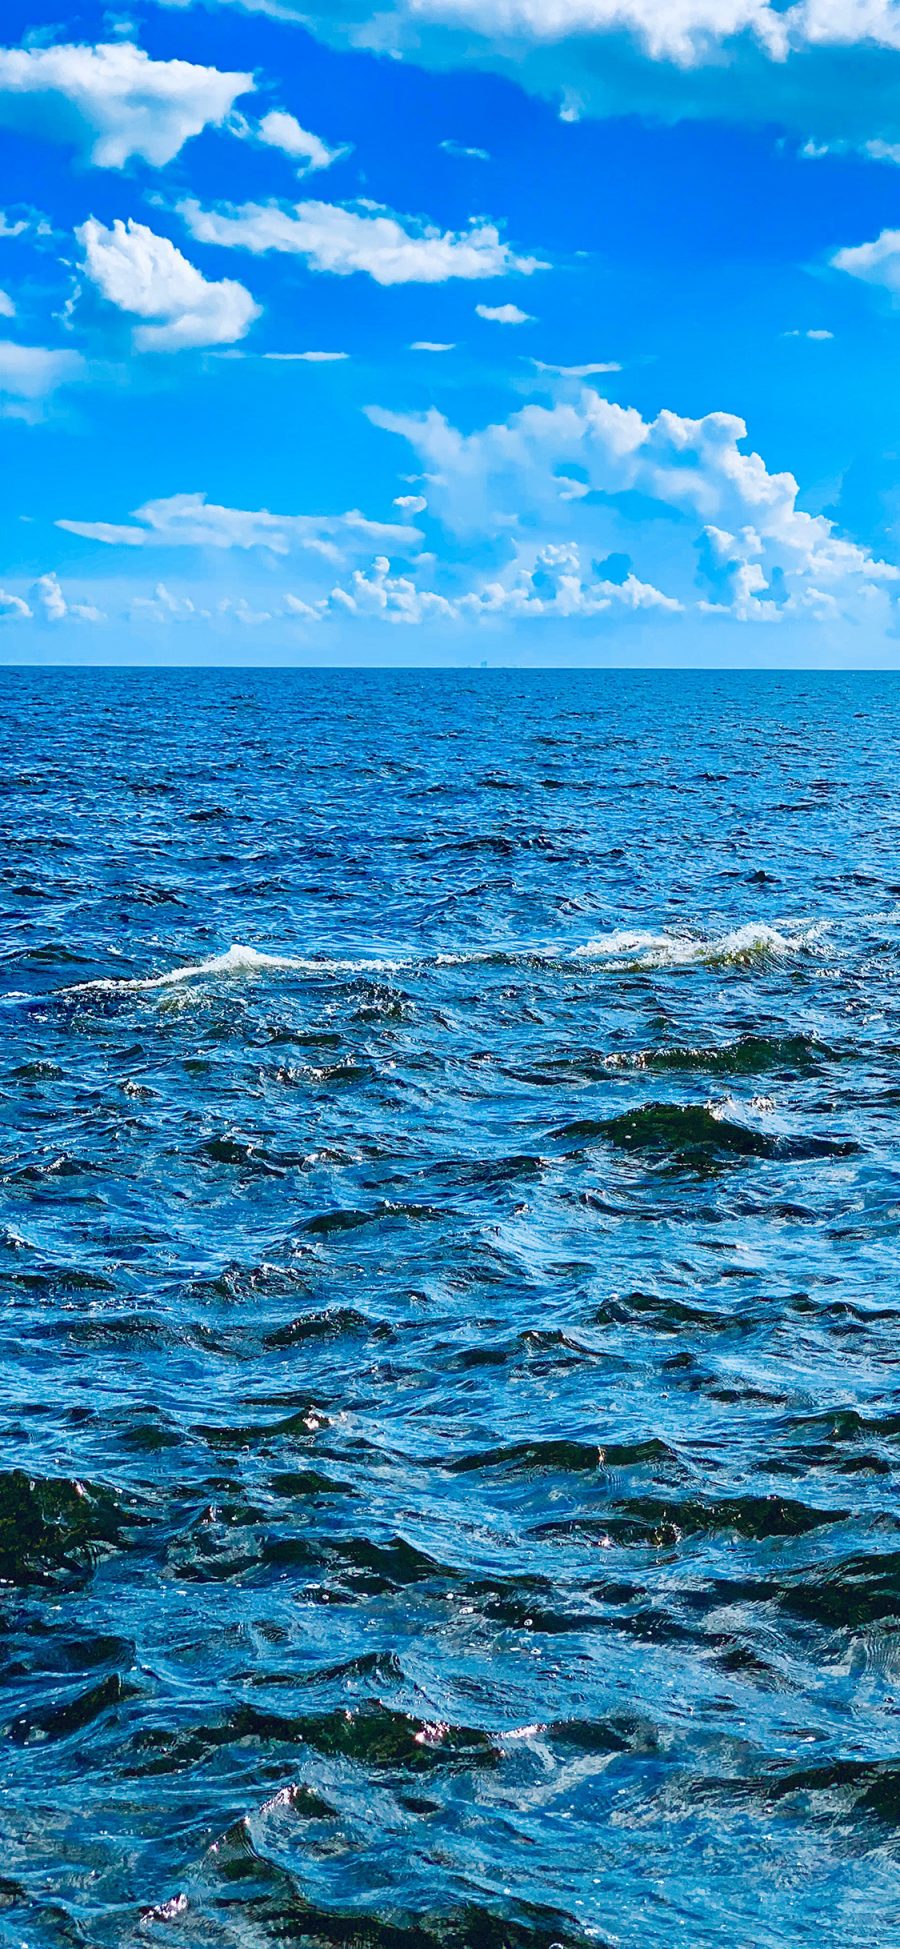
[{"x": 449, "y": 1220}]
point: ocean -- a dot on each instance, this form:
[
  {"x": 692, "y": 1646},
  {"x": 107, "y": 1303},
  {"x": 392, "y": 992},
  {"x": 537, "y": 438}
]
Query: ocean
[{"x": 449, "y": 1220}]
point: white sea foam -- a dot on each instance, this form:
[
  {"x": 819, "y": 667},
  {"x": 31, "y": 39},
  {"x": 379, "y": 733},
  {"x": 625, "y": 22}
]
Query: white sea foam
[
  {"x": 755, "y": 941},
  {"x": 624, "y": 949},
  {"x": 237, "y": 960}
]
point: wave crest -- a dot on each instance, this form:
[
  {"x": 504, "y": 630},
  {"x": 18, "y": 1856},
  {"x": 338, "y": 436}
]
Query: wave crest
[
  {"x": 625, "y": 949},
  {"x": 756, "y": 941}
]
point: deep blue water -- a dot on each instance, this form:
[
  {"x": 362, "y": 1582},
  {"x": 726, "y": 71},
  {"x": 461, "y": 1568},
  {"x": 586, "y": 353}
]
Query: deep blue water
[{"x": 448, "y": 1381}]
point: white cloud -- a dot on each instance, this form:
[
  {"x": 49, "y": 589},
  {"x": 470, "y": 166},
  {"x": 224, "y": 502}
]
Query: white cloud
[
  {"x": 452, "y": 148},
  {"x": 30, "y": 372},
  {"x": 391, "y": 598},
  {"x": 56, "y": 607},
  {"x": 578, "y": 371},
  {"x": 190, "y": 521},
  {"x": 164, "y": 607},
  {"x": 555, "y": 582},
  {"x": 51, "y": 598},
  {"x": 411, "y": 503},
  {"x": 10, "y": 229},
  {"x": 278, "y": 130},
  {"x": 112, "y": 101},
  {"x": 238, "y": 608},
  {"x": 12, "y": 608},
  {"x": 875, "y": 150},
  {"x": 814, "y": 334},
  {"x": 549, "y": 582},
  {"x": 685, "y": 32},
  {"x": 148, "y": 277},
  {"x": 806, "y": 65},
  {"x": 572, "y": 470},
  {"x": 7, "y": 307},
  {"x": 430, "y": 345},
  {"x": 303, "y": 611},
  {"x": 678, "y": 31},
  {"x": 367, "y": 238},
  {"x": 879, "y": 151},
  {"x": 504, "y": 314},
  {"x": 875, "y": 263},
  {"x": 307, "y": 358}
]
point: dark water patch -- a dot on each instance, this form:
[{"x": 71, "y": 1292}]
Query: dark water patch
[
  {"x": 52, "y": 1529},
  {"x": 534, "y": 1457},
  {"x": 333, "y": 1324},
  {"x": 291, "y": 1483},
  {"x": 247, "y": 1156},
  {"x": 748, "y": 1055},
  {"x": 81, "y": 1712},
  {"x": 301, "y": 1425},
  {"x": 692, "y": 1134},
  {"x": 666, "y": 1313},
  {"x": 328, "y": 1224},
  {"x": 660, "y": 1521},
  {"x": 369, "y": 1734},
  {"x": 63, "y": 1164}
]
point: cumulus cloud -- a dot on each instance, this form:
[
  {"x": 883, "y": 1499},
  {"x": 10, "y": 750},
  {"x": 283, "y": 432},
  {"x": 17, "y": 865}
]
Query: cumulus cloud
[
  {"x": 411, "y": 503},
  {"x": 112, "y": 101},
  {"x": 807, "y": 66},
  {"x": 56, "y": 607},
  {"x": 148, "y": 277},
  {"x": 278, "y": 130},
  {"x": 687, "y": 32},
  {"x": 552, "y": 581},
  {"x": 572, "y": 475},
  {"x": 7, "y": 307},
  {"x": 504, "y": 314},
  {"x": 301, "y": 611},
  {"x": 875, "y": 263},
  {"x": 191, "y": 521},
  {"x": 391, "y": 598},
  {"x": 30, "y": 372},
  {"x": 681, "y": 32},
  {"x": 164, "y": 607},
  {"x": 13, "y": 609},
  {"x": 333, "y": 237},
  {"x": 556, "y": 581}
]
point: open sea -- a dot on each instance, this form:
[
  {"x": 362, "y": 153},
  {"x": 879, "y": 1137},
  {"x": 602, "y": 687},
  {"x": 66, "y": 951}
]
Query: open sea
[{"x": 450, "y": 1340}]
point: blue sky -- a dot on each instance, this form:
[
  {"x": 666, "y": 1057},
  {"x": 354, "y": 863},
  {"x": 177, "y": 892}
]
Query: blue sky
[{"x": 659, "y": 245}]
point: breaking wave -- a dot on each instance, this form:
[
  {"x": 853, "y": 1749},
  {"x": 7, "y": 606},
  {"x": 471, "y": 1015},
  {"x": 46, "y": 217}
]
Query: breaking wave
[{"x": 624, "y": 950}]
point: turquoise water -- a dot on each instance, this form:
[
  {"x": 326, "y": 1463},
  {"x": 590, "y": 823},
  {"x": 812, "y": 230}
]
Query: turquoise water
[{"x": 450, "y": 1160}]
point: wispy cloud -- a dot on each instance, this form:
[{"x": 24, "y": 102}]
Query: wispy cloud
[{"x": 337, "y": 238}]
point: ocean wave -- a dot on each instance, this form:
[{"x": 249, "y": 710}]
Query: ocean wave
[
  {"x": 755, "y": 941},
  {"x": 624, "y": 949},
  {"x": 237, "y": 960},
  {"x": 698, "y": 1134}
]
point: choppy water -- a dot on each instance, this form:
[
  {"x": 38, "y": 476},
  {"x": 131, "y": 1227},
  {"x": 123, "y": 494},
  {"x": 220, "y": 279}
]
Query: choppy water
[{"x": 448, "y": 1384}]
